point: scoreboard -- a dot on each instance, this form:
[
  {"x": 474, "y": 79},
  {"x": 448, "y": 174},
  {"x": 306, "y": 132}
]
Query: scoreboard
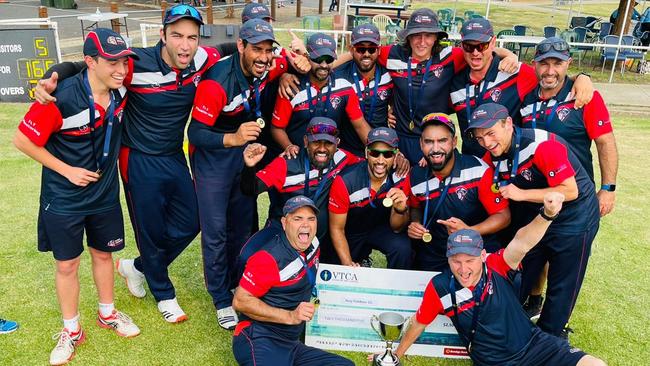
[{"x": 25, "y": 56}]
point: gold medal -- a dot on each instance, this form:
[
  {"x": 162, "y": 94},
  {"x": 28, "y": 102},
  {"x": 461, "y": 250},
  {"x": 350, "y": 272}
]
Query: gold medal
[
  {"x": 412, "y": 125},
  {"x": 427, "y": 237},
  {"x": 387, "y": 202},
  {"x": 260, "y": 122},
  {"x": 495, "y": 188}
]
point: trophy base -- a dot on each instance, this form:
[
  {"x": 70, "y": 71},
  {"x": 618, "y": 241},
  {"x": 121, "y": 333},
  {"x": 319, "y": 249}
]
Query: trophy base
[{"x": 387, "y": 359}]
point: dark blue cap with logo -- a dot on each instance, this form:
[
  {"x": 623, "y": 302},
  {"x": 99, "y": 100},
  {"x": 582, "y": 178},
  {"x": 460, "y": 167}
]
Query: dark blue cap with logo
[
  {"x": 478, "y": 29},
  {"x": 257, "y": 30},
  {"x": 422, "y": 20},
  {"x": 365, "y": 33},
  {"x": 383, "y": 134},
  {"x": 486, "y": 115},
  {"x": 182, "y": 11},
  {"x": 255, "y": 11},
  {"x": 297, "y": 202},
  {"x": 107, "y": 44},
  {"x": 552, "y": 47},
  {"x": 322, "y": 129},
  {"x": 465, "y": 241},
  {"x": 321, "y": 44}
]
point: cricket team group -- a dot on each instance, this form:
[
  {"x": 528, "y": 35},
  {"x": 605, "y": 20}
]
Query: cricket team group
[{"x": 356, "y": 151}]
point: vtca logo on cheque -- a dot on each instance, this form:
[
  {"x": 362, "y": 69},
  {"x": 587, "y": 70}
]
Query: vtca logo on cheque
[{"x": 327, "y": 275}]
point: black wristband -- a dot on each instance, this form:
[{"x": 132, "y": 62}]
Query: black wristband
[
  {"x": 547, "y": 217},
  {"x": 583, "y": 73},
  {"x": 608, "y": 187}
]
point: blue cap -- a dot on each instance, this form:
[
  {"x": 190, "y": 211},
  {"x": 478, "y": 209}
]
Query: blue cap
[
  {"x": 322, "y": 129},
  {"x": 466, "y": 241},
  {"x": 297, "y": 202},
  {"x": 182, "y": 11},
  {"x": 423, "y": 20},
  {"x": 552, "y": 47},
  {"x": 255, "y": 31},
  {"x": 478, "y": 29},
  {"x": 486, "y": 115},
  {"x": 365, "y": 33},
  {"x": 106, "y": 44},
  {"x": 383, "y": 134},
  {"x": 255, "y": 11},
  {"x": 320, "y": 44}
]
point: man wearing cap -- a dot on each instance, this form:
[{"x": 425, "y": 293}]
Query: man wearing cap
[
  {"x": 226, "y": 116},
  {"x": 476, "y": 292},
  {"x": 310, "y": 173},
  {"x": 551, "y": 107},
  {"x": 370, "y": 81},
  {"x": 482, "y": 81},
  {"x": 321, "y": 94},
  {"x": 275, "y": 291},
  {"x": 157, "y": 183},
  {"x": 450, "y": 193},
  {"x": 367, "y": 206},
  {"x": 77, "y": 140},
  {"x": 530, "y": 163}
]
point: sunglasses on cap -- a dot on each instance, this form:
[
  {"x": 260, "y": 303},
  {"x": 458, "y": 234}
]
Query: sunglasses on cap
[
  {"x": 363, "y": 49},
  {"x": 177, "y": 11},
  {"x": 323, "y": 129},
  {"x": 440, "y": 117},
  {"x": 545, "y": 47},
  {"x": 469, "y": 48},
  {"x": 326, "y": 58},
  {"x": 388, "y": 154}
]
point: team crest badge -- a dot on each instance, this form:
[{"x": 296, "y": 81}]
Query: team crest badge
[
  {"x": 495, "y": 95},
  {"x": 527, "y": 175},
  {"x": 383, "y": 94},
  {"x": 563, "y": 113},
  {"x": 461, "y": 193},
  {"x": 196, "y": 79},
  {"x": 437, "y": 71},
  {"x": 335, "y": 101}
]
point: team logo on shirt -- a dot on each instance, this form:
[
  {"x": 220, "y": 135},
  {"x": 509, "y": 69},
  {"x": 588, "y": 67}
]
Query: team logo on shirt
[
  {"x": 196, "y": 79},
  {"x": 120, "y": 114},
  {"x": 335, "y": 101},
  {"x": 437, "y": 71},
  {"x": 461, "y": 193},
  {"x": 495, "y": 95},
  {"x": 527, "y": 175},
  {"x": 563, "y": 113},
  {"x": 383, "y": 95}
]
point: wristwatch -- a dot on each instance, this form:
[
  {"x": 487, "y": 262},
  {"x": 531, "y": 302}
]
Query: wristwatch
[
  {"x": 547, "y": 217},
  {"x": 608, "y": 187}
]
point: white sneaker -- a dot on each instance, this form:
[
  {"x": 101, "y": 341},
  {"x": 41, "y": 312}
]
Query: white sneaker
[
  {"x": 227, "y": 318},
  {"x": 64, "y": 350},
  {"x": 120, "y": 322},
  {"x": 134, "y": 278},
  {"x": 171, "y": 311}
]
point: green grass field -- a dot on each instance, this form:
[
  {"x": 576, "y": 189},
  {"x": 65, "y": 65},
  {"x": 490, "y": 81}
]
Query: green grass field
[{"x": 610, "y": 319}]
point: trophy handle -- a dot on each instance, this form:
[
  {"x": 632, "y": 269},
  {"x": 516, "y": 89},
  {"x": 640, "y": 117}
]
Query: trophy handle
[{"x": 374, "y": 319}]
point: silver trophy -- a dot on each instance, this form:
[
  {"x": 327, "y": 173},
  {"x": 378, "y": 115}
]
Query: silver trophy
[{"x": 390, "y": 330}]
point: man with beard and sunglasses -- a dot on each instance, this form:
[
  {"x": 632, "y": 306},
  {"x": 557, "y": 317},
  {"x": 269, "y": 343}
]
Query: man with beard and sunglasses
[
  {"x": 482, "y": 81},
  {"x": 370, "y": 81},
  {"x": 451, "y": 193},
  {"x": 226, "y": 116},
  {"x": 368, "y": 208},
  {"x": 321, "y": 94},
  {"x": 310, "y": 173},
  {"x": 529, "y": 163}
]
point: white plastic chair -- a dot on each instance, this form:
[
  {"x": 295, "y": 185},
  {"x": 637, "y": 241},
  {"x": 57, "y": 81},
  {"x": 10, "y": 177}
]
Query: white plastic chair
[{"x": 381, "y": 21}]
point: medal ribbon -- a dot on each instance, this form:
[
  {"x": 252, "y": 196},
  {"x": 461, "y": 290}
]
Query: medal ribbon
[
  {"x": 446, "y": 183},
  {"x": 388, "y": 184},
  {"x": 99, "y": 163},
  {"x": 543, "y": 112},
  {"x": 258, "y": 98},
  {"x": 515, "y": 163},
  {"x": 373, "y": 98},
  {"x": 477, "y": 294},
  {"x": 312, "y": 109},
  {"x": 321, "y": 185},
  {"x": 409, "y": 79}
]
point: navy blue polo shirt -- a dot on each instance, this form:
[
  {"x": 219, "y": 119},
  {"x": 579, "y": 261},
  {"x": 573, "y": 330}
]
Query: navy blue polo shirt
[
  {"x": 434, "y": 95},
  {"x": 64, "y": 129},
  {"x": 496, "y": 87},
  {"x": 469, "y": 198},
  {"x": 342, "y": 106},
  {"x": 577, "y": 127},
  {"x": 281, "y": 277},
  {"x": 351, "y": 194},
  {"x": 160, "y": 99},
  {"x": 503, "y": 332},
  {"x": 545, "y": 161}
]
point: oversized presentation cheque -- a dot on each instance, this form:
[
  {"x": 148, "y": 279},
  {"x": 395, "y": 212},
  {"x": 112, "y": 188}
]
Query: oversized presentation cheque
[{"x": 350, "y": 296}]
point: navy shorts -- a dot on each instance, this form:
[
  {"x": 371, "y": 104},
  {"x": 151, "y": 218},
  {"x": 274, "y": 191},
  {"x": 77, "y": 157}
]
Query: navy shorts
[
  {"x": 63, "y": 234},
  {"x": 547, "y": 349}
]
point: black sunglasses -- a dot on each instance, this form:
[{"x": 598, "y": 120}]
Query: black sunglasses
[
  {"x": 558, "y": 46},
  {"x": 326, "y": 58},
  {"x": 388, "y": 154},
  {"x": 361, "y": 49},
  {"x": 469, "y": 48}
]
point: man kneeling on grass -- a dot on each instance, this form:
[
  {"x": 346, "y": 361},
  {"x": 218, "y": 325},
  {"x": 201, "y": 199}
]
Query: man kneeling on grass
[
  {"x": 477, "y": 283},
  {"x": 77, "y": 140}
]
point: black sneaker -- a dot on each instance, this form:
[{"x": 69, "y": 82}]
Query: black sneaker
[
  {"x": 533, "y": 306},
  {"x": 565, "y": 333}
]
